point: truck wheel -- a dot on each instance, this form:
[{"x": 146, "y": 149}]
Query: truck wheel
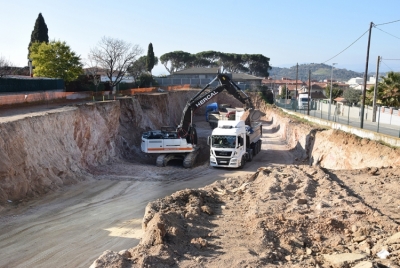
[
  {"x": 242, "y": 162},
  {"x": 256, "y": 148},
  {"x": 259, "y": 145},
  {"x": 250, "y": 153}
]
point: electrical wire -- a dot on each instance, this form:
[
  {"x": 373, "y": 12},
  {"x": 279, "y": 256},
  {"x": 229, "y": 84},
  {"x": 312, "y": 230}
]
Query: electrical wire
[
  {"x": 387, "y": 33},
  {"x": 386, "y": 65},
  {"x": 347, "y": 47},
  {"x": 387, "y": 22}
]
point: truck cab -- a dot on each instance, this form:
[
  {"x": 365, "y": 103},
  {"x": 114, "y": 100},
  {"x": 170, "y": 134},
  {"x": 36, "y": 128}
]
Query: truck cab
[
  {"x": 303, "y": 101},
  {"x": 233, "y": 143}
]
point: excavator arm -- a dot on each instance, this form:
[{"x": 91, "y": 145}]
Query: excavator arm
[{"x": 186, "y": 127}]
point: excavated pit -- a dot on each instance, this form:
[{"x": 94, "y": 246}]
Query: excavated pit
[{"x": 47, "y": 151}]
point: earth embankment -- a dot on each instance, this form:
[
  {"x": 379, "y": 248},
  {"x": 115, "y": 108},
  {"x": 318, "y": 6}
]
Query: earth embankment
[{"x": 43, "y": 151}]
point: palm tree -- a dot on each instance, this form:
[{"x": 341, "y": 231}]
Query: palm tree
[
  {"x": 388, "y": 91},
  {"x": 391, "y": 89}
]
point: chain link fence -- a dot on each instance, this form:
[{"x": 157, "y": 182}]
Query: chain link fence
[{"x": 386, "y": 121}]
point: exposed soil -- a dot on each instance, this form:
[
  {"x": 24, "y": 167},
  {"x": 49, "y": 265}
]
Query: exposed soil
[{"x": 292, "y": 206}]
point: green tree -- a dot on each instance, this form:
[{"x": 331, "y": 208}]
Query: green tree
[
  {"x": 39, "y": 33},
  {"x": 336, "y": 91},
  {"x": 388, "y": 91},
  {"x": 139, "y": 67},
  {"x": 391, "y": 89},
  {"x": 56, "y": 60},
  {"x": 177, "y": 60},
  {"x": 150, "y": 58},
  {"x": 257, "y": 64},
  {"x": 352, "y": 95},
  {"x": 207, "y": 59},
  {"x": 232, "y": 62}
]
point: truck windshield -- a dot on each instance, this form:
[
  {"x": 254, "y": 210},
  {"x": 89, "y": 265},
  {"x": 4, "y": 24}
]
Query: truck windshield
[
  {"x": 304, "y": 99},
  {"x": 219, "y": 141}
]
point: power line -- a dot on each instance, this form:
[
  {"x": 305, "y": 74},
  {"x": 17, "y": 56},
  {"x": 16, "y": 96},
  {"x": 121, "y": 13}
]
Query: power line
[
  {"x": 387, "y": 22},
  {"x": 347, "y": 47},
  {"x": 387, "y": 32},
  {"x": 386, "y": 65}
]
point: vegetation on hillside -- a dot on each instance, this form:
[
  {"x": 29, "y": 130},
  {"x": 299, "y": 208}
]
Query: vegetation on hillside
[{"x": 319, "y": 72}]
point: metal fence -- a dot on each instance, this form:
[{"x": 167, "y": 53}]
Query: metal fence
[
  {"x": 387, "y": 119},
  {"x": 9, "y": 85}
]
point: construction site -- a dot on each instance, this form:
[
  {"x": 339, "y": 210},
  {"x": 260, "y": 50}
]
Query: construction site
[{"x": 76, "y": 190}]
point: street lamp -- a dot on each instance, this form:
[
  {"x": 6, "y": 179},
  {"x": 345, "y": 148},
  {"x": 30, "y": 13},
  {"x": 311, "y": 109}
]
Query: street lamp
[{"x": 330, "y": 94}]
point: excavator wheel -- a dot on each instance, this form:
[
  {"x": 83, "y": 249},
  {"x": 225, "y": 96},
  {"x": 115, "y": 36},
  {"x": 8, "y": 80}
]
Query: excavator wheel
[{"x": 190, "y": 159}]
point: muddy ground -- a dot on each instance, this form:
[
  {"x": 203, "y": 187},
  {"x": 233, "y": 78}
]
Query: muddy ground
[{"x": 279, "y": 211}]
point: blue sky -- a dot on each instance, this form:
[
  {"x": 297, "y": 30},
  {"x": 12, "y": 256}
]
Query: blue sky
[{"x": 286, "y": 31}]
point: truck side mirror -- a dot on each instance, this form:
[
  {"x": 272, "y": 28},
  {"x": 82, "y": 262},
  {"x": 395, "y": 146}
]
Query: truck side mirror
[{"x": 208, "y": 140}]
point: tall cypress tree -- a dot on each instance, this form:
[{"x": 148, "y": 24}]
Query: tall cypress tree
[
  {"x": 150, "y": 58},
  {"x": 39, "y": 33}
]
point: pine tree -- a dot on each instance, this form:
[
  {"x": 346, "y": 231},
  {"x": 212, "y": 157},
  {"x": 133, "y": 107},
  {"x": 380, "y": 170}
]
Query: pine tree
[
  {"x": 39, "y": 33},
  {"x": 150, "y": 58}
]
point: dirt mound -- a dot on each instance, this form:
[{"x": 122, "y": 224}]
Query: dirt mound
[{"x": 286, "y": 216}]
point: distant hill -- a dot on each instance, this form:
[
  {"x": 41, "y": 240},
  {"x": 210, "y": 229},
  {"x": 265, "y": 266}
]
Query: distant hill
[{"x": 319, "y": 72}]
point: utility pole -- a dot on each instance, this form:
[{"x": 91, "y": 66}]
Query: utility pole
[
  {"x": 375, "y": 91},
  {"x": 297, "y": 77},
  {"x": 365, "y": 78},
  {"x": 330, "y": 93},
  {"x": 309, "y": 91}
]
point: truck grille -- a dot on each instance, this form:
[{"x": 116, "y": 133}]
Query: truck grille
[
  {"x": 223, "y": 153},
  {"x": 223, "y": 161}
]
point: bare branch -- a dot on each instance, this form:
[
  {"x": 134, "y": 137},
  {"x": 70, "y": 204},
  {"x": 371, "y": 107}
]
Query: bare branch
[
  {"x": 115, "y": 56},
  {"x": 6, "y": 67}
]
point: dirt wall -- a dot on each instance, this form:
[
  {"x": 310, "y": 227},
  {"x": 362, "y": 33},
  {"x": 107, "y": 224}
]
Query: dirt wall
[{"x": 43, "y": 151}]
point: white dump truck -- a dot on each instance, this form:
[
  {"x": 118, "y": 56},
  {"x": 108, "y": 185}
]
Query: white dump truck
[
  {"x": 233, "y": 143},
  {"x": 303, "y": 101}
]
